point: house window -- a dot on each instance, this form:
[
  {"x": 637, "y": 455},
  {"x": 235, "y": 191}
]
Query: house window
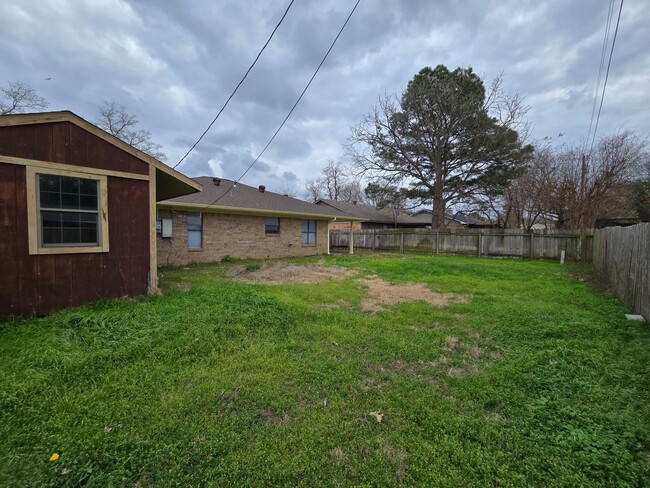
[
  {"x": 67, "y": 212},
  {"x": 194, "y": 230},
  {"x": 271, "y": 225},
  {"x": 309, "y": 232}
]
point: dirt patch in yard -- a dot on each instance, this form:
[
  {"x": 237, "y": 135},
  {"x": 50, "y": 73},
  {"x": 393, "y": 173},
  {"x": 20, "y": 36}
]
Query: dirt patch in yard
[
  {"x": 290, "y": 273},
  {"x": 382, "y": 294}
]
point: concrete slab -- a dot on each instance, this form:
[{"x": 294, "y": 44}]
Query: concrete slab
[{"x": 629, "y": 316}]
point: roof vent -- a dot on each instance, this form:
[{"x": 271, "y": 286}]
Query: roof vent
[
  {"x": 261, "y": 188},
  {"x": 216, "y": 181}
]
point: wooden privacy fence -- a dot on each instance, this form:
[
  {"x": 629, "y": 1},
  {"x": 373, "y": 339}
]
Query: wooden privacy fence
[
  {"x": 541, "y": 244},
  {"x": 622, "y": 254}
]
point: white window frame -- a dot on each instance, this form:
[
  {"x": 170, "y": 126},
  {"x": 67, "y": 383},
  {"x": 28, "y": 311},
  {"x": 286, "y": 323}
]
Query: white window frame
[{"x": 34, "y": 224}]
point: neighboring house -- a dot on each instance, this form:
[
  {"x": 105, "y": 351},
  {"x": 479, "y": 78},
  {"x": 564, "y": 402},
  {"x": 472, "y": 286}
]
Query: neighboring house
[
  {"x": 77, "y": 213},
  {"x": 452, "y": 221},
  {"x": 241, "y": 222},
  {"x": 368, "y": 217}
]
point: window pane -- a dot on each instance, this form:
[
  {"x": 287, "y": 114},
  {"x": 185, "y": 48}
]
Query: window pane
[
  {"x": 49, "y": 183},
  {"x": 69, "y": 228},
  {"x": 272, "y": 225},
  {"x": 194, "y": 221},
  {"x": 88, "y": 202},
  {"x": 51, "y": 235},
  {"x": 50, "y": 199},
  {"x": 88, "y": 187},
  {"x": 309, "y": 232},
  {"x": 194, "y": 239},
  {"x": 69, "y": 200},
  {"x": 71, "y": 236},
  {"x": 70, "y": 219},
  {"x": 89, "y": 235},
  {"x": 69, "y": 185},
  {"x": 51, "y": 219}
]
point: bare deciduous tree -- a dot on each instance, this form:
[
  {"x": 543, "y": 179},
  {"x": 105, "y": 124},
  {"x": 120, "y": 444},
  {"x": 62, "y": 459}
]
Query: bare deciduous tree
[
  {"x": 587, "y": 187},
  {"x": 116, "y": 120},
  {"x": 288, "y": 186},
  {"x": 19, "y": 98},
  {"x": 335, "y": 183},
  {"x": 573, "y": 189}
]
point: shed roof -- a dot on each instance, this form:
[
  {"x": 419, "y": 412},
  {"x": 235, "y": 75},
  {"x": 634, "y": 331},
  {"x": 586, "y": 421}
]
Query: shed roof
[
  {"x": 221, "y": 195},
  {"x": 169, "y": 182},
  {"x": 370, "y": 213}
]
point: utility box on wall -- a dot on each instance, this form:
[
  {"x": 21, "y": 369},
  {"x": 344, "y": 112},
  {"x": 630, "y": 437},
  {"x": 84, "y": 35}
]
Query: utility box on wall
[{"x": 166, "y": 228}]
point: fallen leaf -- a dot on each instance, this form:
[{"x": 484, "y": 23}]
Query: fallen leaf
[
  {"x": 379, "y": 417},
  {"x": 54, "y": 457},
  {"x": 65, "y": 471},
  {"x": 107, "y": 429}
]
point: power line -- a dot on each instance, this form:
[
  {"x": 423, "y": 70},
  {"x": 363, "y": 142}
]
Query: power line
[
  {"x": 601, "y": 67},
  {"x": 290, "y": 111},
  {"x": 237, "y": 87},
  {"x": 609, "y": 62}
]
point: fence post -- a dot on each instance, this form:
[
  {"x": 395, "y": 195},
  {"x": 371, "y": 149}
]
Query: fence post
[
  {"x": 351, "y": 239},
  {"x": 401, "y": 243},
  {"x": 374, "y": 238},
  {"x": 437, "y": 242},
  {"x": 480, "y": 242},
  {"x": 532, "y": 242}
]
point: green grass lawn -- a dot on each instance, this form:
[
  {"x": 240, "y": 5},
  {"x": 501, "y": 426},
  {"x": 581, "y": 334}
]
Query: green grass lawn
[{"x": 537, "y": 379}]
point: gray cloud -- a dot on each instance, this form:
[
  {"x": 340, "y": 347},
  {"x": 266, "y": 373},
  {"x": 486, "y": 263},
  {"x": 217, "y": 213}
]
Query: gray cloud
[{"x": 175, "y": 63}]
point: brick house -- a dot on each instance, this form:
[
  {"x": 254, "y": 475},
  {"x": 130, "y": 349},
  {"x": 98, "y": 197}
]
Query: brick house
[
  {"x": 368, "y": 217},
  {"x": 240, "y": 221},
  {"x": 77, "y": 213}
]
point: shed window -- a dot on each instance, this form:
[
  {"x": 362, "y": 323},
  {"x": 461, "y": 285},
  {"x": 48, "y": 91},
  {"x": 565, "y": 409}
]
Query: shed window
[
  {"x": 309, "y": 232},
  {"x": 271, "y": 225},
  {"x": 194, "y": 230},
  {"x": 68, "y": 211}
]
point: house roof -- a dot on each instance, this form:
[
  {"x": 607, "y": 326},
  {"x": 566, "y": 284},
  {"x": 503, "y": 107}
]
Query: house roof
[
  {"x": 169, "y": 182},
  {"x": 458, "y": 217},
  {"x": 370, "y": 213},
  {"x": 240, "y": 199}
]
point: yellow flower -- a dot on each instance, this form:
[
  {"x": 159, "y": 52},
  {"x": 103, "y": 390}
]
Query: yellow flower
[{"x": 54, "y": 457}]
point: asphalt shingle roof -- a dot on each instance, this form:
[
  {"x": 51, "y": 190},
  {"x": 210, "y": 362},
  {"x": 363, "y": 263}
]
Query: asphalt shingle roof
[{"x": 250, "y": 198}]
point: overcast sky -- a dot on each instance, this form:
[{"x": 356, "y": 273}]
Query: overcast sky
[{"x": 174, "y": 64}]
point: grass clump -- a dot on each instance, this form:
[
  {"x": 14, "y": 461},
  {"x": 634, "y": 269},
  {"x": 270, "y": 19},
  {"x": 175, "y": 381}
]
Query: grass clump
[{"x": 524, "y": 383}]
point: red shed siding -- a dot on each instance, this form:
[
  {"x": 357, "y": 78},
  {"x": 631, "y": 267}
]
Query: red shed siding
[
  {"x": 40, "y": 284},
  {"x": 66, "y": 143}
]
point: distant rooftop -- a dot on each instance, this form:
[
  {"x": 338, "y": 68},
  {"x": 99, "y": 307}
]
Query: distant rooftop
[
  {"x": 219, "y": 195},
  {"x": 370, "y": 213}
]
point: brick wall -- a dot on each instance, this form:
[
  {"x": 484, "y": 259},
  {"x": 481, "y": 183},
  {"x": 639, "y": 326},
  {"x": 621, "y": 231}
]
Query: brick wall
[{"x": 238, "y": 236}]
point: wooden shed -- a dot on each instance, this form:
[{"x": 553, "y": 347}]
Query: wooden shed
[{"x": 77, "y": 213}]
